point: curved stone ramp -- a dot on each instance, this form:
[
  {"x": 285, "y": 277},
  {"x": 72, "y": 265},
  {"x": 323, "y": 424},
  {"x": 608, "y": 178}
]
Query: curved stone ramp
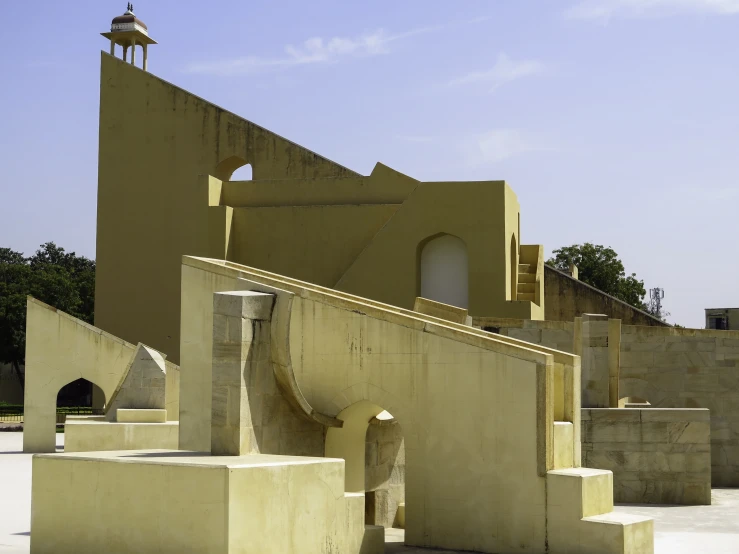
[{"x": 280, "y": 351}]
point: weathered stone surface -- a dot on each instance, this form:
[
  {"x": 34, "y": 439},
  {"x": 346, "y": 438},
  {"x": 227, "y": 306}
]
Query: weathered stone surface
[
  {"x": 143, "y": 385},
  {"x": 659, "y": 456}
]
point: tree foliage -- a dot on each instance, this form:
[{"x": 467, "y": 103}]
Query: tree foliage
[
  {"x": 58, "y": 278},
  {"x": 600, "y": 267}
]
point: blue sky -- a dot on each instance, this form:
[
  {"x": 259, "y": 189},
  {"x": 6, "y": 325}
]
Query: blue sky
[{"x": 615, "y": 121}]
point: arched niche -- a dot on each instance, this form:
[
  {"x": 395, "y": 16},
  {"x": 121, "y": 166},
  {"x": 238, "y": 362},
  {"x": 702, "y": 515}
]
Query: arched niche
[{"x": 444, "y": 270}]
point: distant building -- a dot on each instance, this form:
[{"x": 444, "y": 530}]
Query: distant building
[{"x": 722, "y": 318}]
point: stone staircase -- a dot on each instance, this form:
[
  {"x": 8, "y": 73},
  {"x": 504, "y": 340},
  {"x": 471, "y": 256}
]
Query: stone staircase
[
  {"x": 526, "y": 289},
  {"x": 580, "y": 516}
]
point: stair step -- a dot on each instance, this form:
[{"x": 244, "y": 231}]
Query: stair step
[
  {"x": 526, "y": 268},
  {"x": 563, "y": 444},
  {"x": 526, "y": 296},
  {"x": 581, "y": 520},
  {"x": 527, "y": 277},
  {"x": 613, "y": 533},
  {"x": 526, "y": 287},
  {"x": 617, "y": 533},
  {"x": 580, "y": 491}
]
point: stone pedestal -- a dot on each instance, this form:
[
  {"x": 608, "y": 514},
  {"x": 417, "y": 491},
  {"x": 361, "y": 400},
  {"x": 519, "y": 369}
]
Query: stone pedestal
[
  {"x": 174, "y": 502},
  {"x": 597, "y": 341},
  {"x": 241, "y": 344}
]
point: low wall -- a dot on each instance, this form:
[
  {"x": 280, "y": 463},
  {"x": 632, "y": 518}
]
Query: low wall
[
  {"x": 657, "y": 456},
  {"x": 566, "y": 298},
  {"x": 689, "y": 368},
  {"x": 551, "y": 334},
  {"x": 668, "y": 367}
]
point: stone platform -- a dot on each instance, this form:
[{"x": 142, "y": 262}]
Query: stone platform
[{"x": 174, "y": 502}]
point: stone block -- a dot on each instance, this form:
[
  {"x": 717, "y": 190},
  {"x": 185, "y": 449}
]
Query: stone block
[
  {"x": 283, "y": 505},
  {"x": 654, "y": 453},
  {"x": 127, "y": 415},
  {"x": 244, "y": 304},
  {"x": 85, "y": 435}
]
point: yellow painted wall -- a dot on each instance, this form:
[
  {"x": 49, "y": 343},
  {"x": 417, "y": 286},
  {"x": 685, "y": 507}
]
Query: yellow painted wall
[
  {"x": 311, "y": 243},
  {"x": 301, "y": 215},
  {"x": 479, "y": 213},
  {"x": 155, "y": 139}
]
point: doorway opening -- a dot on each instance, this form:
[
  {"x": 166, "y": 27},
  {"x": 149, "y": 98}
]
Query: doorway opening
[
  {"x": 371, "y": 443},
  {"x": 78, "y": 398}
]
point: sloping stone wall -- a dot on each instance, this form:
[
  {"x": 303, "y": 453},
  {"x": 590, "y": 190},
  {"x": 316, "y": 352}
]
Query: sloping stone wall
[
  {"x": 552, "y": 334},
  {"x": 566, "y": 298},
  {"x": 657, "y": 456}
]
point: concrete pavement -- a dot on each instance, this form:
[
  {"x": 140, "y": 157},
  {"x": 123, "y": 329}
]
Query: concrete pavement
[{"x": 678, "y": 529}]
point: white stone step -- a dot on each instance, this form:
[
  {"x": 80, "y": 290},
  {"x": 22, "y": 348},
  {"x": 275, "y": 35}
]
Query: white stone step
[{"x": 526, "y": 296}]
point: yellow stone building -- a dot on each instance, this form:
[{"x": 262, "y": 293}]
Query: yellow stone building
[{"x": 166, "y": 158}]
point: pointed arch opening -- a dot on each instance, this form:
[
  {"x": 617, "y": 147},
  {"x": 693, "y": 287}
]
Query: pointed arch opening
[
  {"x": 234, "y": 168},
  {"x": 78, "y": 398}
]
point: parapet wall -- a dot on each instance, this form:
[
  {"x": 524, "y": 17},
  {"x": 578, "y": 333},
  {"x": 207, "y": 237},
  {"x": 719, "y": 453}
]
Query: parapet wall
[
  {"x": 670, "y": 368},
  {"x": 657, "y": 456},
  {"x": 689, "y": 368},
  {"x": 567, "y": 298}
]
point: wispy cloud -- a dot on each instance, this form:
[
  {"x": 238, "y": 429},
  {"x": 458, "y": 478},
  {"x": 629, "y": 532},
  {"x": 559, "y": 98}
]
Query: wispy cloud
[
  {"x": 606, "y": 9},
  {"x": 501, "y": 144},
  {"x": 498, "y": 145},
  {"x": 415, "y": 138},
  {"x": 504, "y": 71},
  {"x": 319, "y": 50}
]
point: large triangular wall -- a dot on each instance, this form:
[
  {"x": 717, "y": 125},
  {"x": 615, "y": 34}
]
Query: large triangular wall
[{"x": 155, "y": 139}]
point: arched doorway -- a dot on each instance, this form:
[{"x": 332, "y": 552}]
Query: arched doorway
[
  {"x": 514, "y": 268},
  {"x": 444, "y": 270},
  {"x": 76, "y": 399},
  {"x": 371, "y": 443}
]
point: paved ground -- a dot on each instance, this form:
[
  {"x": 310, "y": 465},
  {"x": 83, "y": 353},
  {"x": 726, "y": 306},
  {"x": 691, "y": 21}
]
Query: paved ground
[
  {"x": 678, "y": 529},
  {"x": 15, "y": 493}
]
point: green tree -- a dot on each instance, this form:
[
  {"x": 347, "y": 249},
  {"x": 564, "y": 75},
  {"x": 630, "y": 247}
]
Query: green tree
[
  {"x": 60, "y": 279},
  {"x": 600, "y": 267}
]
